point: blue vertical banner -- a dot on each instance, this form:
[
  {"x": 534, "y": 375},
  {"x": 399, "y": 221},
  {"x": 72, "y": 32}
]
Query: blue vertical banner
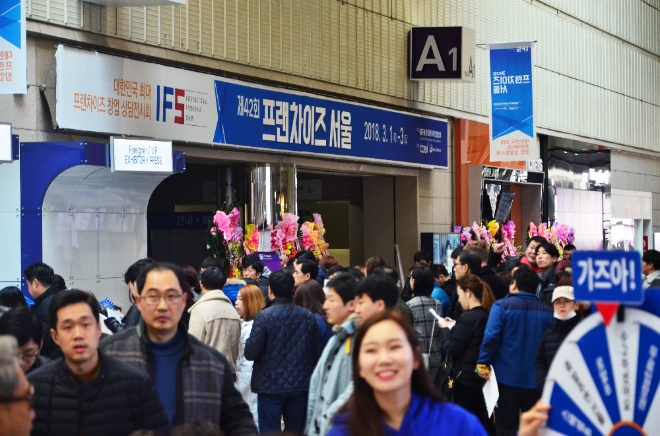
[
  {"x": 511, "y": 79},
  {"x": 13, "y": 56}
]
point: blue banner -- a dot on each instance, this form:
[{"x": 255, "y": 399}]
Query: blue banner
[
  {"x": 290, "y": 121},
  {"x": 512, "y": 134}
]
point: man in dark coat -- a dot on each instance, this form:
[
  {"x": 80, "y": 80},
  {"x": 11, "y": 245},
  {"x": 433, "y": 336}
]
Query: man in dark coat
[
  {"x": 486, "y": 273},
  {"x": 39, "y": 278},
  {"x": 193, "y": 380},
  {"x": 86, "y": 392},
  {"x": 285, "y": 345}
]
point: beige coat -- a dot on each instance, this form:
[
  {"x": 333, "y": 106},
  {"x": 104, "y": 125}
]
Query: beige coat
[{"x": 215, "y": 322}]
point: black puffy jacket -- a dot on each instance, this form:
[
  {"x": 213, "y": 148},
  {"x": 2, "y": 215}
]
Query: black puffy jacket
[
  {"x": 552, "y": 339},
  {"x": 120, "y": 400},
  {"x": 285, "y": 345},
  {"x": 464, "y": 345}
]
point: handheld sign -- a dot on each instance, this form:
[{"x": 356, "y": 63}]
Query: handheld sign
[{"x": 608, "y": 278}]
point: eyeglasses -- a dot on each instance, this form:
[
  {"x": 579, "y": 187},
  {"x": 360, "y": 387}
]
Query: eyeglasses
[
  {"x": 458, "y": 264},
  {"x": 29, "y": 396},
  {"x": 154, "y": 299}
]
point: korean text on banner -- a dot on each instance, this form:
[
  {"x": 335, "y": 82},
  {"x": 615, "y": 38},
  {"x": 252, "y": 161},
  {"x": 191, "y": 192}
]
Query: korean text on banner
[
  {"x": 608, "y": 276},
  {"x": 13, "y": 57},
  {"x": 512, "y": 128},
  {"x": 110, "y": 94}
]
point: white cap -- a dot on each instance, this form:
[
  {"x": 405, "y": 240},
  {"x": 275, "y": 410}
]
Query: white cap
[{"x": 563, "y": 291}]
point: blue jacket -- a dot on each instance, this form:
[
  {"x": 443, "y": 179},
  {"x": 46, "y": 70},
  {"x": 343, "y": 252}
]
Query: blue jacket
[
  {"x": 440, "y": 295},
  {"x": 424, "y": 417},
  {"x": 285, "y": 345},
  {"x": 513, "y": 334}
]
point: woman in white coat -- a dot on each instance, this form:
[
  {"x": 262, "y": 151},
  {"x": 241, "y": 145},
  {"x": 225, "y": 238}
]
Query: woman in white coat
[{"x": 249, "y": 302}]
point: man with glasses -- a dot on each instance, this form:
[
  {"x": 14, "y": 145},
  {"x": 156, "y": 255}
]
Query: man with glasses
[
  {"x": 24, "y": 325},
  {"x": 16, "y": 413},
  {"x": 87, "y": 392},
  {"x": 193, "y": 380}
]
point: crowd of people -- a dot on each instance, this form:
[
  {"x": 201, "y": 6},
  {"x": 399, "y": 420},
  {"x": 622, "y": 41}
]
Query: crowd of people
[{"x": 314, "y": 348}]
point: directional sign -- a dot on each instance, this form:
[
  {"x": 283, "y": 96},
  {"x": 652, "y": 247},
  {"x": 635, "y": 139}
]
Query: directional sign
[
  {"x": 608, "y": 276},
  {"x": 310, "y": 190}
]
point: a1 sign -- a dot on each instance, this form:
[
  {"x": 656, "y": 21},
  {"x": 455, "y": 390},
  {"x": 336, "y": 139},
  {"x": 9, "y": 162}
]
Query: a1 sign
[
  {"x": 608, "y": 276},
  {"x": 442, "y": 53}
]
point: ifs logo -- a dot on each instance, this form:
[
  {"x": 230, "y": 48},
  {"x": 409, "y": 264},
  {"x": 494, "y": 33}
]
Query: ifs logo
[{"x": 174, "y": 102}]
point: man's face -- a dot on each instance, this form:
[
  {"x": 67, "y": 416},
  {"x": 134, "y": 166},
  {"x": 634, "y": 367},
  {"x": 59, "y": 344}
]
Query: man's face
[
  {"x": 530, "y": 253},
  {"x": 77, "y": 333},
  {"x": 460, "y": 269},
  {"x": 365, "y": 307},
  {"x": 35, "y": 288},
  {"x": 568, "y": 254},
  {"x": 298, "y": 276},
  {"x": 17, "y": 414},
  {"x": 28, "y": 354},
  {"x": 250, "y": 273},
  {"x": 647, "y": 268},
  {"x": 336, "y": 311},
  {"x": 161, "y": 303}
]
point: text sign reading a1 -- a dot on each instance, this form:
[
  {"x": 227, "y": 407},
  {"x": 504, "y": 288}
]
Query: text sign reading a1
[
  {"x": 608, "y": 276},
  {"x": 442, "y": 53},
  {"x": 137, "y": 155}
]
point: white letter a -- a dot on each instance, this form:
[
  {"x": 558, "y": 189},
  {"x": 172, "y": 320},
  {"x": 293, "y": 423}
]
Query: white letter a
[{"x": 436, "y": 59}]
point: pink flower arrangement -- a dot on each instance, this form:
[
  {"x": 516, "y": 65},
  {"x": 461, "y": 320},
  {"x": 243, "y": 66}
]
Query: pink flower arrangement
[
  {"x": 492, "y": 232},
  {"x": 285, "y": 235},
  {"x": 226, "y": 230},
  {"x": 312, "y": 237},
  {"x": 558, "y": 234}
]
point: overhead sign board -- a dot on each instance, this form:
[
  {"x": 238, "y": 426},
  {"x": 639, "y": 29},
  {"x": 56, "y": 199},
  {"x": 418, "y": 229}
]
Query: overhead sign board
[
  {"x": 511, "y": 80},
  {"x": 142, "y": 156},
  {"x": 111, "y": 94},
  {"x": 608, "y": 276},
  {"x": 6, "y": 146},
  {"x": 13, "y": 54},
  {"x": 442, "y": 53}
]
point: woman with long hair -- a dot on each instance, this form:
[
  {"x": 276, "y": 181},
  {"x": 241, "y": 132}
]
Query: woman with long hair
[
  {"x": 393, "y": 393},
  {"x": 249, "y": 302},
  {"x": 476, "y": 298},
  {"x": 310, "y": 295}
]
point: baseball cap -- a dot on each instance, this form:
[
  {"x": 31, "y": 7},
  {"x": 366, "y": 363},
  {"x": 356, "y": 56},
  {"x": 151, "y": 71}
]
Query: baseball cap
[{"x": 563, "y": 291}]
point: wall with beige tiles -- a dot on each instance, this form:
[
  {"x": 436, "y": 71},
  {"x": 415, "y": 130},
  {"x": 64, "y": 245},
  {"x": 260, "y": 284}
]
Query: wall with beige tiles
[{"x": 636, "y": 172}]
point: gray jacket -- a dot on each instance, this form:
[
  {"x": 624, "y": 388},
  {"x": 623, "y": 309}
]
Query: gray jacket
[{"x": 331, "y": 384}]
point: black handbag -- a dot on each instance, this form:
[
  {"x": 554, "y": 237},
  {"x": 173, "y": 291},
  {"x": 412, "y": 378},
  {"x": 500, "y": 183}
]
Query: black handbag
[{"x": 445, "y": 380}]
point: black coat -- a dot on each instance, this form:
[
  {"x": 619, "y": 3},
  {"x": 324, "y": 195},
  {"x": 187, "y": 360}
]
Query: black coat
[
  {"x": 464, "y": 344},
  {"x": 552, "y": 339},
  {"x": 496, "y": 284},
  {"x": 120, "y": 400},
  {"x": 450, "y": 289},
  {"x": 42, "y": 311}
]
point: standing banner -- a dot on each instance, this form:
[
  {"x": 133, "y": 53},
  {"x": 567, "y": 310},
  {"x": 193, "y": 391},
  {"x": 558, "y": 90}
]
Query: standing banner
[
  {"x": 111, "y": 94},
  {"x": 512, "y": 128},
  {"x": 13, "y": 57}
]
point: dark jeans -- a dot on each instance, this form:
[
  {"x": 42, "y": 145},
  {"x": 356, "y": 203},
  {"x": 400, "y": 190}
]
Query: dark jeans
[
  {"x": 272, "y": 407},
  {"x": 473, "y": 401},
  {"x": 512, "y": 402}
]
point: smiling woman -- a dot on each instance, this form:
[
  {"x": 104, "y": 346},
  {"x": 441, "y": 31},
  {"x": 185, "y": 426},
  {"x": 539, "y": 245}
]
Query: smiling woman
[{"x": 393, "y": 393}]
